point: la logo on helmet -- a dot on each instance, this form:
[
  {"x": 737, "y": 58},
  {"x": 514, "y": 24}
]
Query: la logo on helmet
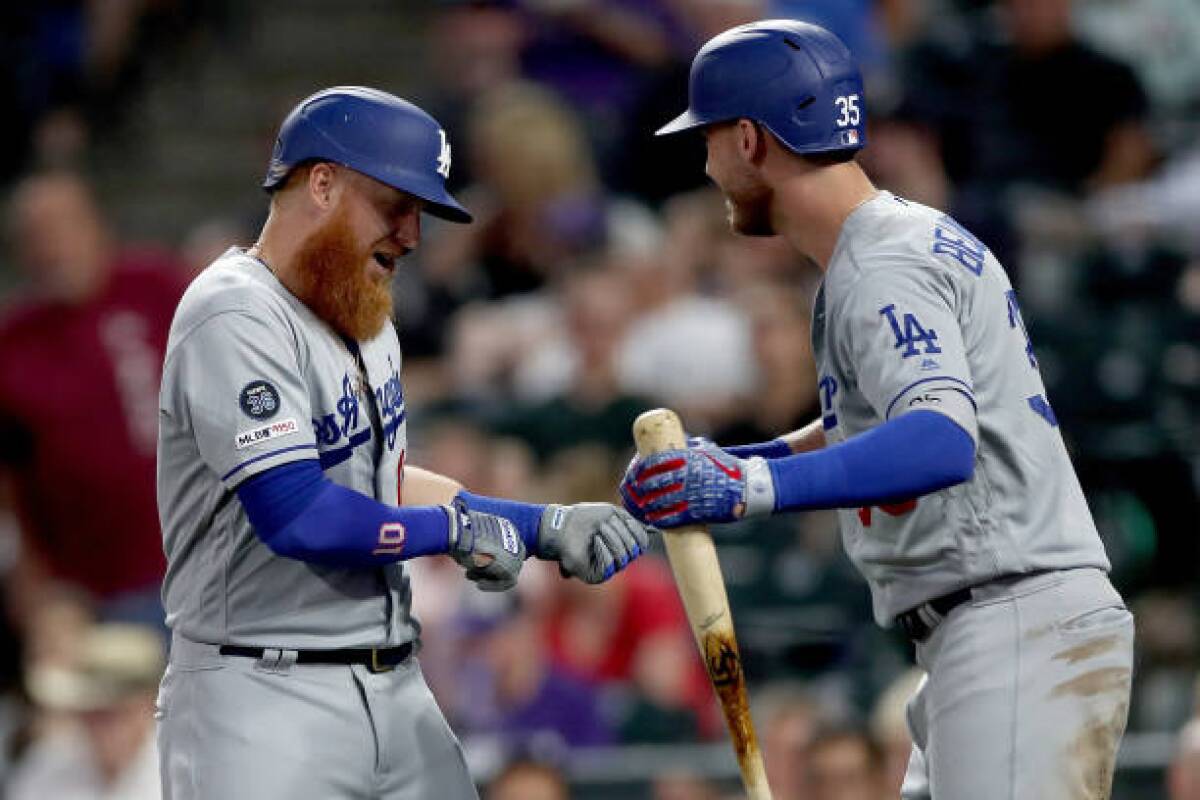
[{"x": 443, "y": 159}]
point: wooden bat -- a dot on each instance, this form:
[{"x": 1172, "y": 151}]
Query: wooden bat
[{"x": 693, "y": 559}]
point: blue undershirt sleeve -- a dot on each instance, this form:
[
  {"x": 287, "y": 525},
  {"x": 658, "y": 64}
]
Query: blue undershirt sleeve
[
  {"x": 526, "y": 516},
  {"x": 911, "y": 455},
  {"x": 299, "y": 513},
  {"x": 776, "y": 448}
]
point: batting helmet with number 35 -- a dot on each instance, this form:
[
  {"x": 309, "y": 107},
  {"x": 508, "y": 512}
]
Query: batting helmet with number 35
[{"x": 797, "y": 80}]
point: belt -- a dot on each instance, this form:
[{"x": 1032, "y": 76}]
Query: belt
[
  {"x": 919, "y": 622},
  {"x": 376, "y": 659}
]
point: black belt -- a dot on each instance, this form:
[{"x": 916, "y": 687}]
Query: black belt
[
  {"x": 919, "y": 622},
  {"x": 376, "y": 659}
]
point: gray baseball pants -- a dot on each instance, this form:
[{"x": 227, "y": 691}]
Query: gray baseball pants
[
  {"x": 233, "y": 727},
  {"x": 1026, "y": 693}
]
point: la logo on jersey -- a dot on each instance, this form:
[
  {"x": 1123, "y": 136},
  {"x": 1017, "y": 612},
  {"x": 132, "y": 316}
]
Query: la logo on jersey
[
  {"x": 911, "y": 334},
  {"x": 443, "y": 159}
]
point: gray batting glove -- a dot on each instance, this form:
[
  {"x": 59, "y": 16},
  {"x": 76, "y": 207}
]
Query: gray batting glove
[
  {"x": 591, "y": 541},
  {"x": 487, "y": 546}
]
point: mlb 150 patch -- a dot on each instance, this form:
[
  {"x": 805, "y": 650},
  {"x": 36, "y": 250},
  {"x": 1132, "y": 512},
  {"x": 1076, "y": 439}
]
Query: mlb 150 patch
[
  {"x": 274, "y": 430},
  {"x": 259, "y": 400}
]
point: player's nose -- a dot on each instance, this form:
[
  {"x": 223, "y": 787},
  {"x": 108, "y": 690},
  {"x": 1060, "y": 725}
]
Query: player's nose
[{"x": 406, "y": 230}]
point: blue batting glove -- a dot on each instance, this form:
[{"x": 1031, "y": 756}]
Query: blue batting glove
[{"x": 699, "y": 485}]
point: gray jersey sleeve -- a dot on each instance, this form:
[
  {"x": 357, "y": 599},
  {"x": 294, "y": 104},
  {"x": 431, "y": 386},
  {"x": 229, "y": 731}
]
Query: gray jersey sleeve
[
  {"x": 899, "y": 333},
  {"x": 237, "y": 379}
]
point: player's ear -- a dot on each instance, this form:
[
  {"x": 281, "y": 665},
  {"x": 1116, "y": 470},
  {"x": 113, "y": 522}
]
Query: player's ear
[
  {"x": 751, "y": 141},
  {"x": 322, "y": 184}
]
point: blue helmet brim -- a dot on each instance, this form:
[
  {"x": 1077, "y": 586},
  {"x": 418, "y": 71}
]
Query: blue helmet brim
[
  {"x": 684, "y": 122},
  {"x": 438, "y": 202},
  {"x": 447, "y": 208}
]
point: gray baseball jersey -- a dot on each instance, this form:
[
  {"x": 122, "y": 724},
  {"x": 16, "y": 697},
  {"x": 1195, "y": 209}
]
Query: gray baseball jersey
[
  {"x": 915, "y": 313},
  {"x": 252, "y": 380}
]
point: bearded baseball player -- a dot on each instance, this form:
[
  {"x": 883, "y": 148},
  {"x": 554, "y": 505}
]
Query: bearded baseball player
[
  {"x": 287, "y": 508},
  {"x": 936, "y": 442}
]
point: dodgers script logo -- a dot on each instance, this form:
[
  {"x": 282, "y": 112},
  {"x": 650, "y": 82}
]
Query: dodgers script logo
[
  {"x": 390, "y": 400},
  {"x": 329, "y": 429}
]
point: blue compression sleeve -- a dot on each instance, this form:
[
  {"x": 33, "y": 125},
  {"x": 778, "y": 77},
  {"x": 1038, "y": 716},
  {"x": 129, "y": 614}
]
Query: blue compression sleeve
[
  {"x": 909, "y": 456},
  {"x": 776, "y": 448},
  {"x": 526, "y": 516},
  {"x": 301, "y": 514}
]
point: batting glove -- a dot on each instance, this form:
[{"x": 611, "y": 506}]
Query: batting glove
[
  {"x": 487, "y": 546},
  {"x": 591, "y": 541},
  {"x": 698, "y": 485}
]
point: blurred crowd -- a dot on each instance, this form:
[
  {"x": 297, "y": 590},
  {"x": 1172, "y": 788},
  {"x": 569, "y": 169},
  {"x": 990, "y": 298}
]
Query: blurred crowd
[{"x": 599, "y": 280}]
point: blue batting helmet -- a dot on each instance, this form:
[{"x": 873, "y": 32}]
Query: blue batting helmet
[
  {"x": 374, "y": 133},
  {"x": 796, "y": 79}
]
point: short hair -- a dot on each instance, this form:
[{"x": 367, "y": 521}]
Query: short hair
[{"x": 829, "y": 158}]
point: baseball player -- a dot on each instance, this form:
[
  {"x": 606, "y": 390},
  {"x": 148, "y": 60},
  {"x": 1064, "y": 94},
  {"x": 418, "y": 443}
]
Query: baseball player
[
  {"x": 287, "y": 507},
  {"x": 936, "y": 440}
]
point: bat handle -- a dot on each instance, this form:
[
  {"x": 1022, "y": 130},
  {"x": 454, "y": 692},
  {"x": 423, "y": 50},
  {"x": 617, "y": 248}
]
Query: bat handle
[{"x": 693, "y": 558}]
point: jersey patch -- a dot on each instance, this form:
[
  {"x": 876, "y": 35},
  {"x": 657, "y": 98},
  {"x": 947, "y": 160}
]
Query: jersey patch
[
  {"x": 259, "y": 400},
  {"x": 275, "y": 430}
]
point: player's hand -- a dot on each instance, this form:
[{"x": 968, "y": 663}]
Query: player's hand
[
  {"x": 591, "y": 541},
  {"x": 701, "y": 484},
  {"x": 487, "y": 546}
]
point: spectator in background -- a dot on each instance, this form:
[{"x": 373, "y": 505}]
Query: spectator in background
[
  {"x": 635, "y": 634},
  {"x": 688, "y": 348},
  {"x": 599, "y": 54},
  {"x": 528, "y": 780},
  {"x": 1158, "y": 38},
  {"x": 645, "y": 165},
  {"x": 514, "y": 693},
  {"x": 475, "y": 48},
  {"x": 98, "y": 742},
  {"x": 787, "y": 719},
  {"x": 538, "y": 201},
  {"x": 80, "y": 362},
  {"x": 889, "y": 727},
  {"x": 1026, "y": 116},
  {"x": 846, "y": 764},
  {"x": 677, "y": 785},
  {"x": 567, "y": 385},
  {"x": 787, "y": 398},
  {"x": 1183, "y": 775},
  {"x": 1041, "y": 107}
]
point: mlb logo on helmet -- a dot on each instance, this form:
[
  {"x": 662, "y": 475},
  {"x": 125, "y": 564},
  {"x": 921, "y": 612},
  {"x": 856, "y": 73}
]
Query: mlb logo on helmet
[{"x": 850, "y": 137}]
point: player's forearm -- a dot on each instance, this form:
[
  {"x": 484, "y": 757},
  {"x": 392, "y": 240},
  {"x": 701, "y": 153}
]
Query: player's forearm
[
  {"x": 810, "y": 437},
  {"x": 300, "y": 514},
  {"x": 910, "y": 456},
  {"x": 424, "y": 487}
]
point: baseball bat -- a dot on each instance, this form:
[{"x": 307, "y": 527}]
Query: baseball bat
[{"x": 693, "y": 558}]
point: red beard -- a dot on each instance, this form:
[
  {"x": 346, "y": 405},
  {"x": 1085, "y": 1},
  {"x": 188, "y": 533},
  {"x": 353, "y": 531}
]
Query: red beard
[{"x": 334, "y": 282}]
